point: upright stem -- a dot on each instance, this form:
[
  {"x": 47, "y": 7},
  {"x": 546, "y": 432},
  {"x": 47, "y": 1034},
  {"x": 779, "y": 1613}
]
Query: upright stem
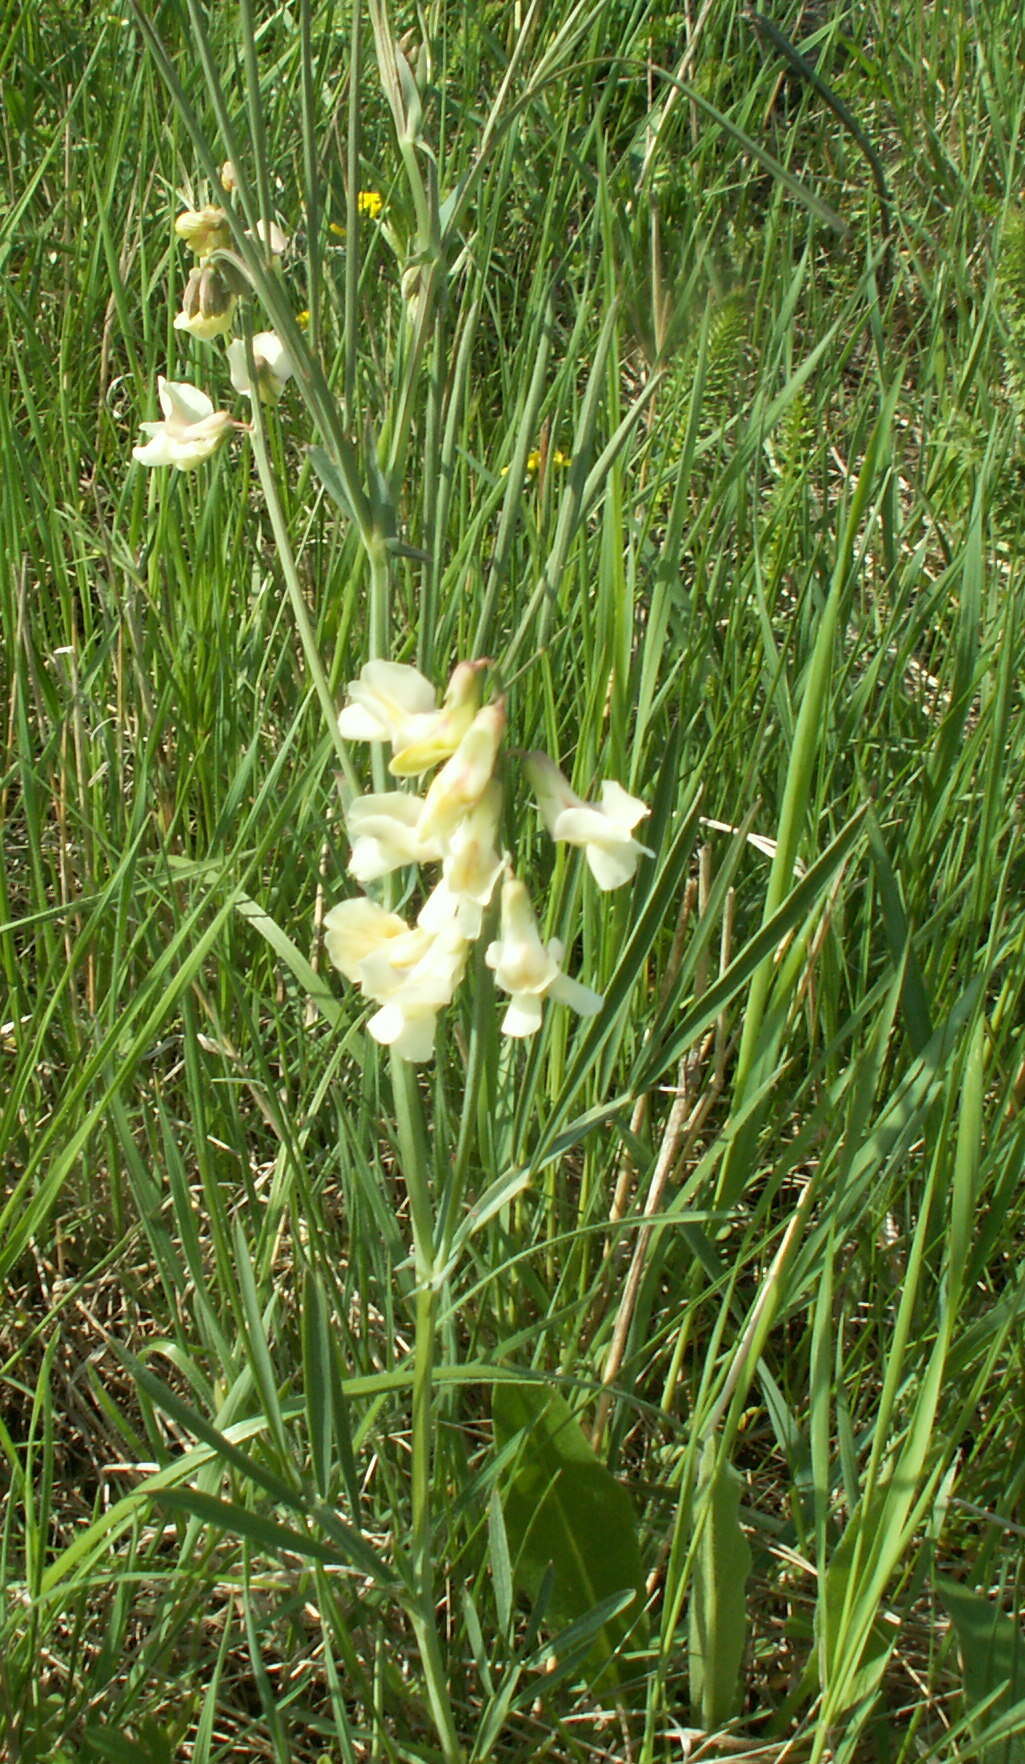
[
  {"x": 413, "y": 1142},
  {"x": 303, "y": 622},
  {"x": 414, "y": 1155}
]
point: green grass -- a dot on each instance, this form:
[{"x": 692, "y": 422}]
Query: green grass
[{"x": 760, "y": 1222}]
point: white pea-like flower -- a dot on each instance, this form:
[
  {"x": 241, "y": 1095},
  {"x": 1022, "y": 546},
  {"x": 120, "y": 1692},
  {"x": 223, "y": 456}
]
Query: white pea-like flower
[
  {"x": 388, "y": 702},
  {"x": 382, "y": 828},
  {"x": 272, "y": 363},
  {"x": 464, "y": 777},
  {"x": 274, "y": 242},
  {"x": 204, "y": 230},
  {"x": 191, "y": 430},
  {"x": 407, "y": 1020},
  {"x": 605, "y": 829},
  {"x": 528, "y": 969},
  {"x": 354, "y": 929},
  {"x": 392, "y": 701},
  {"x": 411, "y": 973},
  {"x": 471, "y": 867}
]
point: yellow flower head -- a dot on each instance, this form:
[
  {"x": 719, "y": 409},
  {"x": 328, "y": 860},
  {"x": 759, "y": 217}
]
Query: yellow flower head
[
  {"x": 204, "y": 230},
  {"x": 370, "y": 203}
]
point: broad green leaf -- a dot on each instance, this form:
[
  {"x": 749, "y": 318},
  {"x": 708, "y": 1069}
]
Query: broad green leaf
[
  {"x": 108, "y": 1743},
  {"x": 993, "y": 1666},
  {"x": 718, "y": 1617},
  {"x": 565, "y": 1512}
]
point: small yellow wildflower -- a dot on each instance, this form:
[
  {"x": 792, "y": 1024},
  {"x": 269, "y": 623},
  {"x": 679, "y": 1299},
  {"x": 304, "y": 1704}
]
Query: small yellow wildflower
[
  {"x": 558, "y": 458},
  {"x": 369, "y": 203},
  {"x": 532, "y": 464}
]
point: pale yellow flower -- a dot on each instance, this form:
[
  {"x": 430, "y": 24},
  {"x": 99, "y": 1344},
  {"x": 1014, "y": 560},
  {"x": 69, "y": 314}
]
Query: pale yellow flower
[
  {"x": 383, "y": 832},
  {"x": 464, "y": 778},
  {"x": 272, "y": 363},
  {"x": 459, "y": 706},
  {"x": 393, "y": 702},
  {"x": 409, "y": 972},
  {"x": 528, "y": 969},
  {"x": 603, "y": 829},
  {"x": 275, "y": 243},
  {"x": 354, "y": 929},
  {"x": 407, "y": 1020},
  {"x": 472, "y": 865},
  {"x": 208, "y": 305},
  {"x": 204, "y": 230},
  {"x": 191, "y": 430}
]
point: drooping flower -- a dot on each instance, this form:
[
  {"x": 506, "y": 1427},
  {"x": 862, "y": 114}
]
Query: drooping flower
[
  {"x": 191, "y": 430},
  {"x": 393, "y": 702},
  {"x": 275, "y": 243},
  {"x": 208, "y": 304},
  {"x": 473, "y": 862},
  {"x": 471, "y": 867},
  {"x": 458, "y": 709},
  {"x": 409, "y": 972},
  {"x": 603, "y": 829},
  {"x": 354, "y": 929},
  {"x": 383, "y": 832},
  {"x": 271, "y": 360},
  {"x": 407, "y": 1020},
  {"x": 463, "y": 779},
  {"x": 204, "y": 230},
  {"x": 528, "y": 969}
]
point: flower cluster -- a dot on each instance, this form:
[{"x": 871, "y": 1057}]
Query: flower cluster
[
  {"x": 411, "y": 971},
  {"x": 192, "y": 429}
]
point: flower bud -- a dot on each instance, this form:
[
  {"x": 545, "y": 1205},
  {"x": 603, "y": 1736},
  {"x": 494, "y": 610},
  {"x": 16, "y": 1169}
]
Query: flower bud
[{"x": 208, "y": 304}]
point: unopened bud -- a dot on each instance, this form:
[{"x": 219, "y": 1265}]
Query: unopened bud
[{"x": 208, "y": 304}]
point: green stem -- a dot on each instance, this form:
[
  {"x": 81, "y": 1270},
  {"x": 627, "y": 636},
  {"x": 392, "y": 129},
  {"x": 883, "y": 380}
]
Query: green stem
[
  {"x": 304, "y": 624},
  {"x": 414, "y": 1157}
]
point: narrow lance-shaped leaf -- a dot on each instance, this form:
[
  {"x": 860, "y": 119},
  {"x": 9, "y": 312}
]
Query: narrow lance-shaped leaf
[{"x": 718, "y": 1617}]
